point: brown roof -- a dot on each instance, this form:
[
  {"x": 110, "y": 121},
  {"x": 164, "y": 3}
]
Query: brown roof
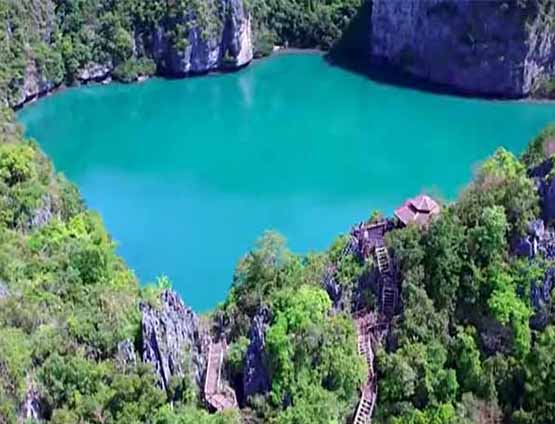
[{"x": 420, "y": 210}]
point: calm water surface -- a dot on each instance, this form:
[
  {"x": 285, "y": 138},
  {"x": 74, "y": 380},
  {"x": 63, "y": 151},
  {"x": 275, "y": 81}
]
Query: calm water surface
[{"x": 187, "y": 174}]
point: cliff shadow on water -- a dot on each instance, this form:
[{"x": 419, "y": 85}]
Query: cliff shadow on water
[{"x": 353, "y": 52}]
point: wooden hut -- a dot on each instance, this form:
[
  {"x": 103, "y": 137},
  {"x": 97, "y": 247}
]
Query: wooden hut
[{"x": 419, "y": 210}]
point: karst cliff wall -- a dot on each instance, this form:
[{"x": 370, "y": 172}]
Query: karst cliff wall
[{"x": 497, "y": 48}]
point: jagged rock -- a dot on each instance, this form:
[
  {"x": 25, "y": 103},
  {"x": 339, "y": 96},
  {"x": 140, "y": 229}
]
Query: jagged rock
[
  {"x": 332, "y": 287},
  {"x": 125, "y": 356},
  {"x": 94, "y": 72},
  {"x": 172, "y": 340},
  {"x": 496, "y": 47},
  {"x": 256, "y": 377},
  {"x": 543, "y": 175},
  {"x": 547, "y": 194},
  {"x": 525, "y": 247},
  {"x": 33, "y": 407},
  {"x": 540, "y": 297},
  {"x": 537, "y": 241}
]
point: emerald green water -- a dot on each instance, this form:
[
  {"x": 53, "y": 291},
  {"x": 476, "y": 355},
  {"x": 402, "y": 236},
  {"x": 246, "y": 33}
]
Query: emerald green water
[{"x": 187, "y": 174}]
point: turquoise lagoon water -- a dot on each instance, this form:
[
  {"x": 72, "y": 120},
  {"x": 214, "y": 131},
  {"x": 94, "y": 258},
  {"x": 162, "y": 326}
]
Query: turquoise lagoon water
[{"x": 188, "y": 174}]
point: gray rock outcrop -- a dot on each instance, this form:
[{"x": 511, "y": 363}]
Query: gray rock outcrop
[
  {"x": 332, "y": 287},
  {"x": 95, "y": 72},
  {"x": 540, "y": 298},
  {"x": 125, "y": 355},
  {"x": 225, "y": 42},
  {"x": 238, "y": 35},
  {"x": 543, "y": 175},
  {"x": 33, "y": 407},
  {"x": 256, "y": 377},
  {"x": 172, "y": 340},
  {"x": 499, "y": 48},
  {"x": 547, "y": 195}
]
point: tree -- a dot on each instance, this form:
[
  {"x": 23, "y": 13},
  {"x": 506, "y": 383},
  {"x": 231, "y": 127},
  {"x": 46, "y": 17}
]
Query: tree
[{"x": 539, "y": 390}]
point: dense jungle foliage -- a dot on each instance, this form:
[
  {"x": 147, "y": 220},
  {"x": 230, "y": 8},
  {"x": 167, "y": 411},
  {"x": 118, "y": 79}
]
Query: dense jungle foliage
[{"x": 469, "y": 346}]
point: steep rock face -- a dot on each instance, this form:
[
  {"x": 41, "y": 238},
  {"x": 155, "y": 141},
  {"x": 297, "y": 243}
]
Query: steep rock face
[
  {"x": 545, "y": 182},
  {"x": 35, "y": 84},
  {"x": 172, "y": 340},
  {"x": 238, "y": 34},
  {"x": 256, "y": 378},
  {"x": 547, "y": 193},
  {"x": 35, "y": 79},
  {"x": 225, "y": 42},
  {"x": 480, "y": 47}
]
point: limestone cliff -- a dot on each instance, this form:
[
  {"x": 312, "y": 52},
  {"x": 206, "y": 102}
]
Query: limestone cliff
[
  {"x": 172, "y": 340},
  {"x": 498, "y": 48},
  {"x": 224, "y": 42},
  {"x": 215, "y": 37}
]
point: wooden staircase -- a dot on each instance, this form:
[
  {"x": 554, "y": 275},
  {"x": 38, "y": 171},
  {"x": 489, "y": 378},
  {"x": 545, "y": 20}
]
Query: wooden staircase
[
  {"x": 382, "y": 257},
  {"x": 389, "y": 300},
  {"x": 389, "y": 292},
  {"x": 365, "y": 407},
  {"x": 367, "y": 329},
  {"x": 218, "y": 395},
  {"x": 371, "y": 331}
]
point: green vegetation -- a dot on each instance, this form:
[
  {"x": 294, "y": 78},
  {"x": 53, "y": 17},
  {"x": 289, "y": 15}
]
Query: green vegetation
[
  {"x": 305, "y": 24},
  {"x": 462, "y": 350}
]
